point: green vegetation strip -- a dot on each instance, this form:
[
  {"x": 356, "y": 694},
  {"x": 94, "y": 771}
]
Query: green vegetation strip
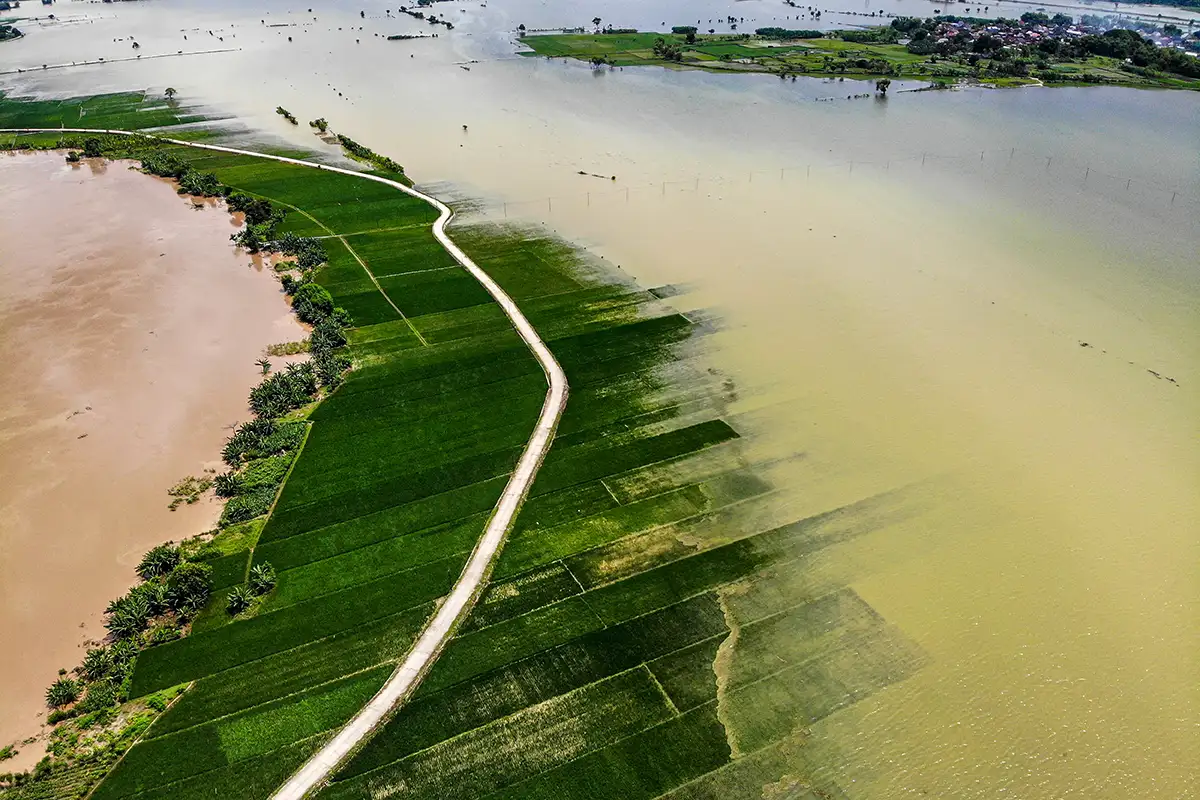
[{"x": 942, "y": 50}]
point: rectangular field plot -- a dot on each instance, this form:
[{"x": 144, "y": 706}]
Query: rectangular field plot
[
  {"x": 395, "y": 252},
  {"x": 531, "y": 741}
]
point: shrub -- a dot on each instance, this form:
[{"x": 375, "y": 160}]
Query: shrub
[
  {"x": 63, "y": 691},
  {"x": 247, "y": 506},
  {"x": 228, "y": 484},
  {"x": 262, "y": 578},
  {"x": 96, "y": 664},
  {"x": 128, "y": 616},
  {"x": 188, "y": 587},
  {"x": 308, "y": 252},
  {"x": 237, "y": 600},
  {"x": 164, "y": 164},
  {"x": 201, "y": 184},
  {"x": 163, "y": 634},
  {"x": 284, "y": 391},
  {"x": 99, "y": 697},
  {"x": 155, "y": 595},
  {"x": 158, "y": 562},
  {"x": 312, "y": 303},
  {"x": 123, "y": 654}
]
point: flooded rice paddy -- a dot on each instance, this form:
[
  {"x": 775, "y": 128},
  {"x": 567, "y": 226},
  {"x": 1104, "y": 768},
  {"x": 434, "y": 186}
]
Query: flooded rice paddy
[
  {"x": 128, "y": 335},
  {"x": 983, "y": 302}
]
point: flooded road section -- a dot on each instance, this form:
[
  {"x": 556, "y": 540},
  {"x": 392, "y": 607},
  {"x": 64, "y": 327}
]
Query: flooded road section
[{"x": 129, "y": 328}]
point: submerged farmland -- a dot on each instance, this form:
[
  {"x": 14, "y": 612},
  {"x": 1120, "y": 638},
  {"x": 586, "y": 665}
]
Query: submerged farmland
[{"x": 651, "y": 627}]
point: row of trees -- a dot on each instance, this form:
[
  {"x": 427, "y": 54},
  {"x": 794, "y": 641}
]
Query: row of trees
[
  {"x": 171, "y": 591},
  {"x": 363, "y": 153}
]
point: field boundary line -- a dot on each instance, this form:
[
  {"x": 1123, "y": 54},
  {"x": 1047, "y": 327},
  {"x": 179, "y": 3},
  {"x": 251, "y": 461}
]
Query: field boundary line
[
  {"x": 379, "y": 289},
  {"x": 408, "y": 675}
]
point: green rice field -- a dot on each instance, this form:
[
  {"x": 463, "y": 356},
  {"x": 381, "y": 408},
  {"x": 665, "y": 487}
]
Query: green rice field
[{"x": 644, "y": 633}]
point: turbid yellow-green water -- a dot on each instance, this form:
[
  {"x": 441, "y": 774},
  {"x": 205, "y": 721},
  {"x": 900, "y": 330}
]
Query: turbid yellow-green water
[{"x": 983, "y": 301}]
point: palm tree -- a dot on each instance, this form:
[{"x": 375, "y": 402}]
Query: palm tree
[
  {"x": 228, "y": 484},
  {"x": 63, "y": 691},
  {"x": 262, "y": 578},
  {"x": 237, "y": 601},
  {"x": 130, "y": 617},
  {"x": 170, "y": 92},
  {"x": 159, "y": 561},
  {"x": 596, "y": 22},
  {"x": 263, "y": 364},
  {"x": 97, "y": 663}
]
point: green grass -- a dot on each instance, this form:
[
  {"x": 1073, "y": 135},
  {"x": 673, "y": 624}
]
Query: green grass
[
  {"x": 537, "y": 738},
  {"x": 175, "y": 757}
]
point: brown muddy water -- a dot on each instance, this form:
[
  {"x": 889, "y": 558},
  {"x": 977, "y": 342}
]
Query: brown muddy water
[
  {"x": 995, "y": 312},
  {"x": 129, "y": 328}
]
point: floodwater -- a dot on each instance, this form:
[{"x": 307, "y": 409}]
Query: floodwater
[
  {"x": 128, "y": 334},
  {"x": 985, "y": 299}
]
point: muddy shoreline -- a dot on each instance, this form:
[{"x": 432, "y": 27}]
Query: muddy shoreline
[{"x": 129, "y": 328}]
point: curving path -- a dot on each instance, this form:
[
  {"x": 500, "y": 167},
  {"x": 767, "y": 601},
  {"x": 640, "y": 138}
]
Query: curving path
[{"x": 466, "y": 590}]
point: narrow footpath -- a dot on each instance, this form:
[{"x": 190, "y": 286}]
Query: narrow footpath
[{"x": 404, "y": 681}]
